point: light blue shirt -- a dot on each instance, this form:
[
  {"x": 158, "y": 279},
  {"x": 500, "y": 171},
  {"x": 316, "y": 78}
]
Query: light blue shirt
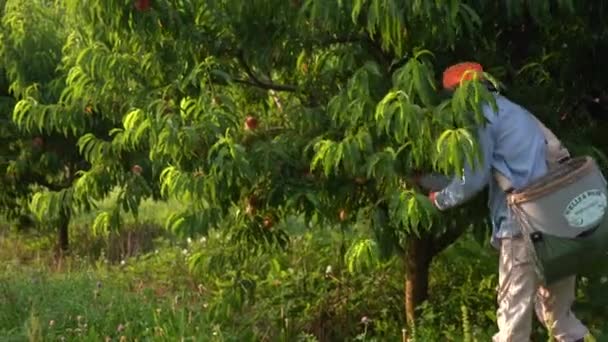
[{"x": 512, "y": 143}]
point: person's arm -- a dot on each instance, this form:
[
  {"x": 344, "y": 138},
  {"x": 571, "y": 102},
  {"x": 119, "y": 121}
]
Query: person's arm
[{"x": 461, "y": 189}]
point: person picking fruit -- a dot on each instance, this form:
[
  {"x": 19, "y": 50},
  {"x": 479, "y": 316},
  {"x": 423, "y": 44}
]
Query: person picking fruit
[{"x": 515, "y": 145}]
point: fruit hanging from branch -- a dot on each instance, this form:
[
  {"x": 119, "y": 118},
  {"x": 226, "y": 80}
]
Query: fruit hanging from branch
[
  {"x": 88, "y": 109},
  {"x": 343, "y": 215},
  {"x": 251, "y": 123},
  {"x": 38, "y": 142},
  {"x": 268, "y": 222},
  {"x": 136, "y": 169},
  {"x": 360, "y": 180},
  {"x": 142, "y": 5},
  {"x": 308, "y": 175}
]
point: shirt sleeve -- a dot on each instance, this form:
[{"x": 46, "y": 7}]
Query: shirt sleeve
[{"x": 474, "y": 179}]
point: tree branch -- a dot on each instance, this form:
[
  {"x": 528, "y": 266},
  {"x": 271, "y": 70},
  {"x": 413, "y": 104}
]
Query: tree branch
[
  {"x": 40, "y": 180},
  {"x": 53, "y": 187},
  {"x": 375, "y": 49},
  {"x": 351, "y": 38},
  {"x": 446, "y": 239},
  {"x": 255, "y": 81},
  {"x": 265, "y": 85}
]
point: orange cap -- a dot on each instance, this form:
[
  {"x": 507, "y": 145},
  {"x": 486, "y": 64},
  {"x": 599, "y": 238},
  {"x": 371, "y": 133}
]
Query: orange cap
[{"x": 453, "y": 75}]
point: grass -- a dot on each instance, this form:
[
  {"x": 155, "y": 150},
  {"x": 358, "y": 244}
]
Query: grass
[
  {"x": 150, "y": 297},
  {"x": 89, "y": 307}
]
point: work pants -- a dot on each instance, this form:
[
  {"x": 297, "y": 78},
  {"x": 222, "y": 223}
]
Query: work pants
[{"x": 520, "y": 293}]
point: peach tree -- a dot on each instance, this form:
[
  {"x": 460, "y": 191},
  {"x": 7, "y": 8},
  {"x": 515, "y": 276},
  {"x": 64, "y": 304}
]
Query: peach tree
[
  {"x": 42, "y": 163},
  {"x": 33, "y": 158},
  {"x": 254, "y": 111}
]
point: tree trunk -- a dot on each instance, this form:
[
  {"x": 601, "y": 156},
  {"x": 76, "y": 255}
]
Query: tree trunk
[
  {"x": 63, "y": 237},
  {"x": 418, "y": 257},
  {"x": 419, "y": 254}
]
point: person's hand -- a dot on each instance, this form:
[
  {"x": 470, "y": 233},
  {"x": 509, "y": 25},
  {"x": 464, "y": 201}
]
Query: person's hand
[{"x": 432, "y": 196}]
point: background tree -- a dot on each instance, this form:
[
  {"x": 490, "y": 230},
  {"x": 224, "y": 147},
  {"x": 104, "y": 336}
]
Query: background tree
[
  {"x": 43, "y": 160},
  {"x": 37, "y": 158}
]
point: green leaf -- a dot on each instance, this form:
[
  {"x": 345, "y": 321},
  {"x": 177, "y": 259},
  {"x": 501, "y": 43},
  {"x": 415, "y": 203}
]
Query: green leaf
[{"x": 361, "y": 255}]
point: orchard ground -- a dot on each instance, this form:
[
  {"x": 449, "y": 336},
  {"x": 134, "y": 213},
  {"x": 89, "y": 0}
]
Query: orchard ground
[{"x": 149, "y": 284}]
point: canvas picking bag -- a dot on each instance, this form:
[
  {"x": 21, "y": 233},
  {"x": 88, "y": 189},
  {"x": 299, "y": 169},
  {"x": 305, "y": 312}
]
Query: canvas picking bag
[{"x": 563, "y": 214}]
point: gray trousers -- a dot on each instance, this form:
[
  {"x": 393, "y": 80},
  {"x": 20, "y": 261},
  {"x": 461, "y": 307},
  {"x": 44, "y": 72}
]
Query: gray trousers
[{"x": 520, "y": 294}]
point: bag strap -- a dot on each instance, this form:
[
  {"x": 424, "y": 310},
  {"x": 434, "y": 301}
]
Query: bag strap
[{"x": 556, "y": 154}]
